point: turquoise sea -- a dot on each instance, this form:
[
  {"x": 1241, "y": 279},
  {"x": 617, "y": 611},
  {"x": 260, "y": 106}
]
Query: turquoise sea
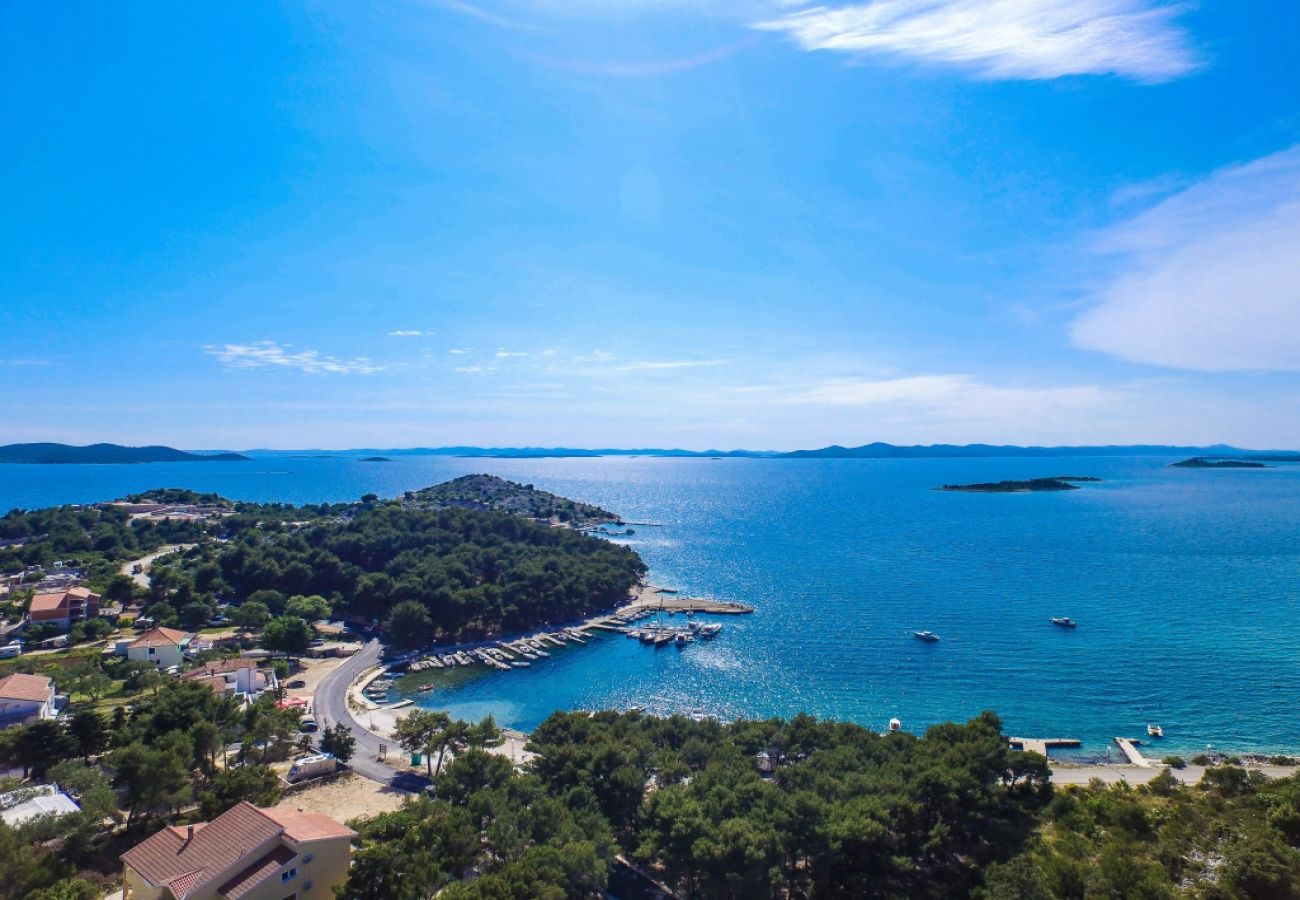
[{"x": 1184, "y": 584}]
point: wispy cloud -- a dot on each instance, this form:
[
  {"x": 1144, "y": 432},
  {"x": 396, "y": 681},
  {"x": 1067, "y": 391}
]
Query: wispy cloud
[
  {"x": 1208, "y": 278},
  {"x": 643, "y": 365},
  {"x": 1005, "y": 39},
  {"x": 410, "y": 332},
  {"x": 269, "y": 354},
  {"x": 951, "y": 395},
  {"x": 476, "y": 370},
  {"x": 507, "y": 354},
  {"x": 458, "y": 351}
]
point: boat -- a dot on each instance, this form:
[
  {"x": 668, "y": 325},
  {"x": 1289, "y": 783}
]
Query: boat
[
  {"x": 895, "y": 725},
  {"x": 1155, "y": 731},
  {"x": 425, "y": 687},
  {"x": 927, "y": 636},
  {"x": 1064, "y": 622}
]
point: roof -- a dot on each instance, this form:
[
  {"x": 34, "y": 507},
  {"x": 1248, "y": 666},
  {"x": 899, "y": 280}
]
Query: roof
[
  {"x": 256, "y": 873},
  {"x": 51, "y": 602},
  {"x": 216, "y": 682},
  {"x": 82, "y": 592},
  {"x": 50, "y": 801},
  {"x": 157, "y": 637},
  {"x": 304, "y": 826},
  {"x": 36, "y": 688},
  {"x": 220, "y": 667},
  {"x": 185, "y": 864}
]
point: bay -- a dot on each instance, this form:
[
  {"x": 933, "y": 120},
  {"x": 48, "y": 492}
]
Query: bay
[{"x": 1184, "y": 584}]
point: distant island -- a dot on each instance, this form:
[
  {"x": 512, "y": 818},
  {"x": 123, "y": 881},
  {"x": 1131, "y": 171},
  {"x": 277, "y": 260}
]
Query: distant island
[
  {"x": 488, "y": 492},
  {"x": 1057, "y": 483},
  {"x": 105, "y": 454},
  {"x": 374, "y": 459},
  {"x": 877, "y": 450},
  {"x": 1201, "y": 462}
]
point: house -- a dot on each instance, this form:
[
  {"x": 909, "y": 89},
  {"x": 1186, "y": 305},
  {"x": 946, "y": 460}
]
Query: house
[
  {"x": 246, "y": 853},
  {"x": 63, "y": 607},
  {"x": 24, "y": 698},
  {"x": 47, "y": 800},
  {"x": 160, "y": 647},
  {"x": 233, "y": 677}
]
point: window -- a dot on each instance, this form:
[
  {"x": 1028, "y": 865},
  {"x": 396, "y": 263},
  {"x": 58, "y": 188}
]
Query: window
[{"x": 289, "y": 875}]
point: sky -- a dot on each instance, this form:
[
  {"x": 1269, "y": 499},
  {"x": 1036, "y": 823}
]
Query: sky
[{"x": 765, "y": 224}]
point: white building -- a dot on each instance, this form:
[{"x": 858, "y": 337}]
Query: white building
[
  {"x": 160, "y": 647},
  {"x": 25, "y": 698}
]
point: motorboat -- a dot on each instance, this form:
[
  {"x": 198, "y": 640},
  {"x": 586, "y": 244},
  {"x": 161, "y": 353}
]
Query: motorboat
[
  {"x": 1064, "y": 622},
  {"x": 927, "y": 636},
  {"x": 1155, "y": 731},
  {"x": 895, "y": 726}
]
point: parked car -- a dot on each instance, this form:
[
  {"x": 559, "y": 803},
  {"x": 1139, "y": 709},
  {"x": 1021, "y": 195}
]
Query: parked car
[
  {"x": 297, "y": 683},
  {"x": 307, "y": 723},
  {"x": 312, "y": 767}
]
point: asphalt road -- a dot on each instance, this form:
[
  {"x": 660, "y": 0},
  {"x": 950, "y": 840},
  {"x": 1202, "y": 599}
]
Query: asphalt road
[{"x": 331, "y": 705}]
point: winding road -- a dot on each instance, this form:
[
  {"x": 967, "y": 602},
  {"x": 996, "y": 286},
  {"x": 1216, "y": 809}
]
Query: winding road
[{"x": 331, "y": 704}]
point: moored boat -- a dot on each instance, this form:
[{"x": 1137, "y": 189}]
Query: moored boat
[
  {"x": 1064, "y": 622},
  {"x": 927, "y": 636},
  {"x": 1155, "y": 731}
]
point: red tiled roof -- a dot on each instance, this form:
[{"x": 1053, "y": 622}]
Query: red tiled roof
[
  {"x": 220, "y": 667},
  {"x": 52, "y": 602},
  {"x": 36, "y": 688},
  {"x": 184, "y": 864},
  {"x": 187, "y": 864},
  {"x": 304, "y": 826},
  {"x": 157, "y": 637},
  {"x": 255, "y": 874}
]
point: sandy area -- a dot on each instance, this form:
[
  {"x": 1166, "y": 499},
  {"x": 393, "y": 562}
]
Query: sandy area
[
  {"x": 384, "y": 720},
  {"x": 1063, "y": 774},
  {"x": 349, "y": 797},
  {"x": 655, "y": 597}
]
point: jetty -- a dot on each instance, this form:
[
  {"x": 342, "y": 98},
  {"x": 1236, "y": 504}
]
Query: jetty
[
  {"x": 1129, "y": 746},
  {"x": 1041, "y": 745}
]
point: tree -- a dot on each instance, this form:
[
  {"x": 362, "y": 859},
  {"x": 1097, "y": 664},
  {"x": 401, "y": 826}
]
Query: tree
[
  {"x": 288, "y": 634},
  {"x": 87, "y": 728},
  {"x": 120, "y": 589},
  {"x": 339, "y": 742},
  {"x": 42, "y": 744},
  {"x": 152, "y": 776},
  {"x": 195, "y": 615},
  {"x": 256, "y": 784},
  {"x": 409, "y": 624},
  {"x": 420, "y": 731},
  {"x": 312, "y": 608},
  {"x": 250, "y": 614}
]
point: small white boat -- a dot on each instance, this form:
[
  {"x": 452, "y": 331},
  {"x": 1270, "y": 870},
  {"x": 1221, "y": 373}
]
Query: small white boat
[
  {"x": 1155, "y": 731},
  {"x": 1064, "y": 622},
  {"x": 895, "y": 725},
  {"x": 927, "y": 636}
]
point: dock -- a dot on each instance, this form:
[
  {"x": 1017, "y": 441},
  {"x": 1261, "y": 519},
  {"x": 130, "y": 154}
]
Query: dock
[
  {"x": 1041, "y": 745},
  {"x": 1129, "y": 746}
]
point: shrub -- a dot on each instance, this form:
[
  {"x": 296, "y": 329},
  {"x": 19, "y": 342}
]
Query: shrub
[{"x": 1174, "y": 762}]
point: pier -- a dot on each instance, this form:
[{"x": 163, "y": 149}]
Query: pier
[
  {"x": 1129, "y": 746},
  {"x": 1041, "y": 745}
]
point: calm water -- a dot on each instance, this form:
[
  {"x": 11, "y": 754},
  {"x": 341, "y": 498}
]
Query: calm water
[{"x": 1184, "y": 583}]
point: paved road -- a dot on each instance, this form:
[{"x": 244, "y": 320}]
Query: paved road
[
  {"x": 145, "y": 562},
  {"x": 332, "y": 704}
]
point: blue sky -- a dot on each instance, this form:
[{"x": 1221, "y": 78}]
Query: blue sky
[{"x": 764, "y": 224}]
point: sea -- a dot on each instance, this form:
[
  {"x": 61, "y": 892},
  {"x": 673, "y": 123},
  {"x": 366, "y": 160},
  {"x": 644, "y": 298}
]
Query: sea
[{"x": 1184, "y": 584}]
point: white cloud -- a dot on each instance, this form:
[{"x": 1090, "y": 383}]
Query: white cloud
[
  {"x": 476, "y": 370},
  {"x": 948, "y": 396},
  {"x": 269, "y": 354},
  {"x": 1005, "y": 39},
  {"x": 458, "y": 350},
  {"x": 1209, "y": 278},
  {"x": 507, "y": 354},
  {"x": 410, "y": 332},
  {"x": 643, "y": 365}
]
